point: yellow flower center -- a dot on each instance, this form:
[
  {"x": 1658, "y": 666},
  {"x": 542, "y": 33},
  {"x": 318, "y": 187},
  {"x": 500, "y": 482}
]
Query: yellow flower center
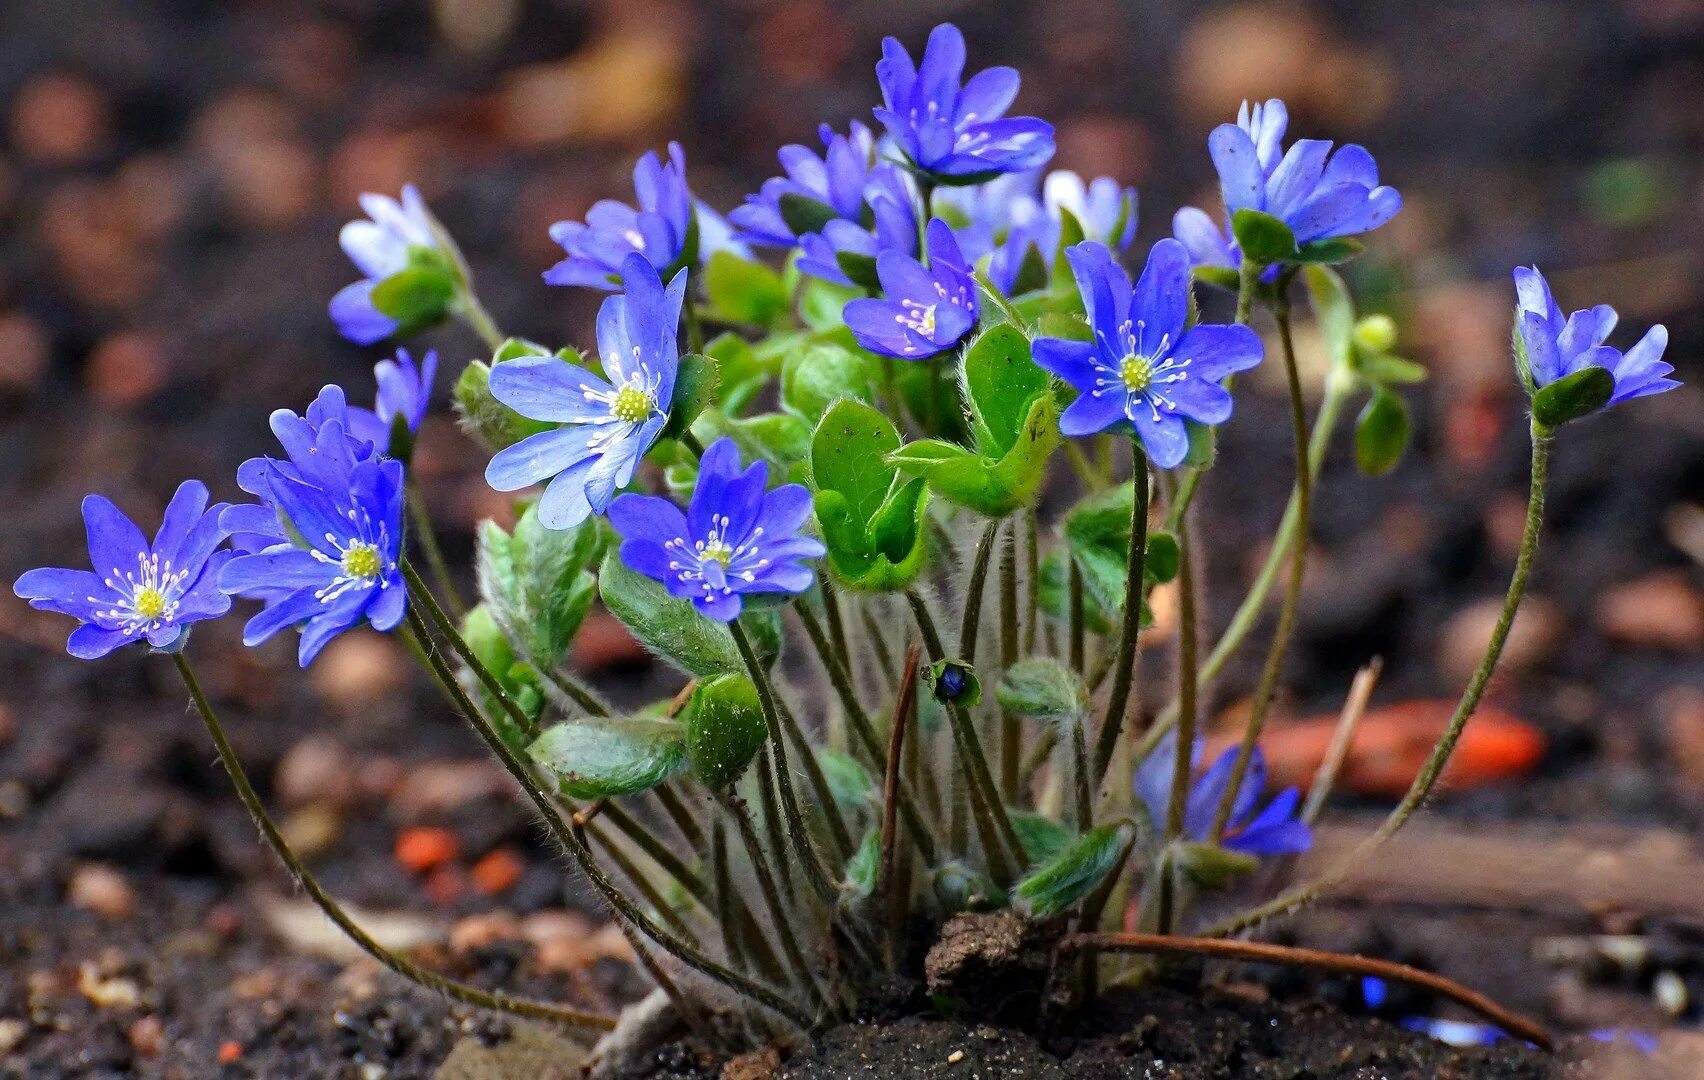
[
  {"x": 150, "y": 603},
  {"x": 1136, "y": 372},
  {"x": 362, "y": 561},
  {"x": 631, "y": 405},
  {"x": 716, "y": 551}
]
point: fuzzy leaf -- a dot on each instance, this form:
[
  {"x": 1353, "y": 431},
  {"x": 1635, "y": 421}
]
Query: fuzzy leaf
[
  {"x": 694, "y": 390},
  {"x": 1041, "y": 688},
  {"x": 536, "y": 583},
  {"x": 1043, "y": 839},
  {"x": 673, "y": 629},
  {"x": 416, "y": 297},
  {"x": 847, "y": 779},
  {"x": 492, "y": 649},
  {"x": 724, "y": 729},
  {"x": 865, "y": 863},
  {"x": 1073, "y": 873},
  {"x": 815, "y": 377},
  {"x": 1573, "y": 396},
  {"x": 1262, "y": 237},
  {"x": 594, "y": 760}
]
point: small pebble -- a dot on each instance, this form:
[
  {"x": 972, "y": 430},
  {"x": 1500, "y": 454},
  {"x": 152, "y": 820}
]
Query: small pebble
[
  {"x": 421, "y": 849},
  {"x": 147, "y": 1036},
  {"x": 102, "y": 890},
  {"x": 230, "y": 1052},
  {"x": 12, "y": 1032},
  {"x": 955, "y": 1057}
]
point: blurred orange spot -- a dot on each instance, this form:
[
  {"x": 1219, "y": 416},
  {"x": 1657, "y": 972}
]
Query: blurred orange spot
[
  {"x": 497, "y": 872},
  {"x": 421, "y": 849},
  {"x": 445, "y": 885},
  {"x": 229, "y": 1052},
  {"x": 1393, "y": 742}
]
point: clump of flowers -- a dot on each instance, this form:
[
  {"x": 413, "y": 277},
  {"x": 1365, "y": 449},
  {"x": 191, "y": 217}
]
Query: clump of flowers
[{"x": 852, "y": 481}]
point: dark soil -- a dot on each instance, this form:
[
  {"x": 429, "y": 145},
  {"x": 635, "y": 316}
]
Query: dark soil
[{"x": 167, "y": 226}]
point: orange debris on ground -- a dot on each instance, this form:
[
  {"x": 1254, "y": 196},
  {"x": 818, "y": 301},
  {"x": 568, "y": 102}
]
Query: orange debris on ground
[{"x": 422, "y": 848}]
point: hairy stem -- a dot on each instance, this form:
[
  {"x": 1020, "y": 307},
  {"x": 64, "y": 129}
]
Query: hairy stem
[
  {"x": 426, "y": 539},
  {"x": 1124, "y": 664}
]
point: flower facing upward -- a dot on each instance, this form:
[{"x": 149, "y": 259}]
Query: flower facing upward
[
  {"x": 835, "y": 179},
  {"x": 1557, "y": 347},
  {"x": 607, "y": 426},
  {"x": 735, "y": 537},
  {"x": 395, "y": 236},
  {"x": 346, "y": 566},
  {"x": 138, "y": 591},
  {"x": 1273, "y": 830},
  {"x": 924, "y": 310},
  {"x": 1318, "y": 194},
  {"x": 958, "y": 132},
  {"x": 890, "y": 225},
  {"x": 1143, "y": 367}
]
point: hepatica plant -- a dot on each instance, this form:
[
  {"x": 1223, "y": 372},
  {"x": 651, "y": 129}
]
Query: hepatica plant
[{"x": 812, "y": 480}]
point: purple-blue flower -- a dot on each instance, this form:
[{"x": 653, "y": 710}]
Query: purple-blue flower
[
  {"x": 835, "y": 179},
  {"x": 404, "y": 390},
  {"x": 1144, "y": 368},
  {"x": 670, "y": 228},
  {"x": 924, "y": 310},
  {"x": 1319, "y": 194},
  {"x": 1557, "y": 347},
  {"x": 1275, "y": 829},
  {"x": 1024, "y": 222},
  {"x": 890, "y": 198},
  {"x": 394, "y": 236},
  {"x": 342, "y": 565},
  {"x": 958, "y": 133},
  {"x": 607, "y": 426},
  {"x": 735, "y": 537},
  {"x": 138, "y": 591}
]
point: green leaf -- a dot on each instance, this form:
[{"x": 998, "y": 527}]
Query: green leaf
[
  {"x": 1041, "y": 688},
  {"x": 1055, "y": 595},
  {"x": 804, "y": 214},
  {"x": 849, "y": 455},
  {"x": 724, "y": 729},
  {"x": 1573, "y": 396},
  {"x": 1329, "y": 252},
  {"x": 898, "y": 525},
  {"x": 1211, "y": 867},
  {"x": 816, "y": 376},
  {"x": 743, "y": 373},
  {"x": 536, "y": 583},
  {"x": 1336, "y": 314},
  {"x": 1043, "y": 839},
  {"x": 871, "y": 522},
  {"x": 416, "y": 297},
  {"x": 1160, "y": 561},
  {"x": 860, "y": 268},
  {"x": 1065, "y": 326},
  {"x": 694, "y": 390},
  {"x": 1381, "y": 433},
  {"x": 848, "y": 780},
  {"x": 865, "y": 863},
  {"x": 821, "y": 303},
  {"x": 1220, "y": 276},
  {"x": 673, "y": 629},
  {"x": 962, "y": 888},
  {"x": 1070, "y": 234},
  {"x": 744, "y": 291},
  {"x": 1000, "y": 379},
  {"x": 1203, "y": 445},
  {"x": 779, "y": 438},
  {"x": 1073, "y": 873},
  {"x": 486, "y": 419},
  {"x": 1262, "y": 237},
  {"x": 594, "y": 760},
  {"x": 1386, "y": 370}
]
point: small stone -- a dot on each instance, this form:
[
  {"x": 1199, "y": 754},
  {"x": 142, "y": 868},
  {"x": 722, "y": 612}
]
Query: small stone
[
  {"x": 1663, "y": 610},
  {"x": 955, "y": 1057},
  {"x": 1462, "y": 642},
  {"x": 230, "y": 1052},
  {"x": 317, "y": 769},
  {"x": 102, "y": 890},
  {"x": 358, "y": 669},
  {"x": 12, "y": 1033},
  {"x": 304, "y": 928},
  {"x": 762, "y": 1064},
  {"x": 147, "y": 1036},
  {"x": 439, "y": 787},
  {"x": 480, "y": 931},
  {"x": 497, "y": 872},
  {"x": 114, "y": 992},
  {"x": 421, "y": 849},
  {"x": 312, "y": 830}
]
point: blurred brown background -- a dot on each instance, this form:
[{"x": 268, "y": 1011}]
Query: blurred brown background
[{"x": 173, "y": 174}]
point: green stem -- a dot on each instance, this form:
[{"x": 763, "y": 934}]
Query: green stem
[
  {"x": 797, "y": 830},
  {"x": 1118, "y": 702},
  {"x": 1470, "y": 697},
  {"x": 837, "y": 830},
  {"x": 970, "y": 624},
  {"x": 1274, "y": 666},
  {"x": 426, "y": 538},
  {"x": 1074, "y": 585},
  {"x": 778, "y": 914},
  {"x": 576, "y": 692},
  {"x": 468, "y": 995},
  {"x": 1011, "y": 729},
  {"x": 1032, "y": 579},
  {"x": 419, "y": 593},
  {"x": 694, "y": 330},
  {"x": 479, "y": 320},
  {"x": 1187, "y": 681},
  {"x": 1248, "y": 277},
  {"x": 522, "y": 774},
  {"x": 999, "y": 838}
]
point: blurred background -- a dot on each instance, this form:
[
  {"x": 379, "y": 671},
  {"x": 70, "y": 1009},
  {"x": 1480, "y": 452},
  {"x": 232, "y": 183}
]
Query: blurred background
[{"x": 172, "y": 178}]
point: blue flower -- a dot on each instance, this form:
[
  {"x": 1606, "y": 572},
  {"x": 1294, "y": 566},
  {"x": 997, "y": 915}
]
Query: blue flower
[
  {"x": 1319, "y": 194},
  {"x": 923, "y": 310},
  {"x": 608, "y": 426},
  {"x": 836, "y": 180},
  {"x": 1557, "y": 347},
  {"x": 958, "y": 133},
  {"x": 397, "y": 236},
  {"x": 1025, "y": 223},
  {"x": 735, "y": 537},
  {"x": 891, "y": 200},
  {"x": 670, "y": 228},
  {"x": 1273, "y": 830},
  {"x": 138, "y": 591},
  {"x": 344, "y": 567},
  {"x": 1143, "y": 367},
  {"x": 404, "y": 390}
]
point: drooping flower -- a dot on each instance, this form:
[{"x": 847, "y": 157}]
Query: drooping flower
[
  {"x": 924, "y": 310},
  {"x": 396, "y": 236},
  {"x": 607, "y": 426},
  {"x": 670, "y": 228},
  {"x": 833, "y": 181},
  {"x": 1143, "y": 367},
  {"x": 890, "y": 198},
  {"x": 957, "y": 132},
  {"x": 344, "y": 566},
  {"x": 1317, "y": 193},
  {"x": 735, "y": 538},
  {"x": 1557, "y": 347},
  {"x": 1275, "y": 829},
  {"x": 138, "y": 591},
  {"x": 404, "y": 391}
]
